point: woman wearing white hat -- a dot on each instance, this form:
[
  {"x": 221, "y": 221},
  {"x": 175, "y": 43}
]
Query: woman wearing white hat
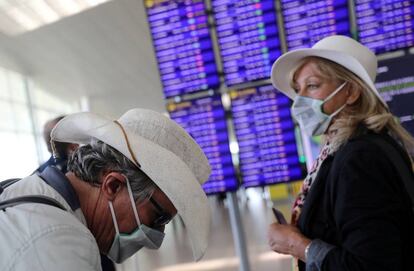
[{"x": 353, "y": 212}]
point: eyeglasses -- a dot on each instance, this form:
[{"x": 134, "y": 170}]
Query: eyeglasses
[{"x": 163, "y": 217}]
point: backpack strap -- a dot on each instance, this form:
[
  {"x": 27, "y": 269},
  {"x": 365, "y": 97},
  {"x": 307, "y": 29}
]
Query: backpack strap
[
  {"x": 6, "y": 183},
  {"x": 25, "y": 199},
  {"x": 30, "y": 199},
  {"x": 403, "y": 169}
]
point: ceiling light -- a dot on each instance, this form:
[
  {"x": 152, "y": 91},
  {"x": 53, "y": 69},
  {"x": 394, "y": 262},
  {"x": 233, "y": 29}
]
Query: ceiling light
[{"x": 26, "y": 15}]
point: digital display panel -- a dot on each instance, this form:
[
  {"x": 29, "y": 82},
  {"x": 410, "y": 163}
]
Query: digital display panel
[
  {"x": 385, "y": 25},
  {"x": 307, "y": 22},
  {"x": 183, "y": 46},
  {"x": 205, "y": 120},
  {"x": 266, "y": 135},
  {"x": 248, "y": 39},
  {"x": 395, "y": 82}
]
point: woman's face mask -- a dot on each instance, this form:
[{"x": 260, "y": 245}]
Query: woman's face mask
[
  {"x": 310, "y": 116},
  {"x": 127, "y": 244}
]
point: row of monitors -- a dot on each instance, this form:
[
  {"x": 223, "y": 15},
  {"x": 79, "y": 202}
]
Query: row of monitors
[
  {"x": 395, "y": 82},
  {"x": 264, "y": 130},
  {"x": 268, "y": 151},
  {"x": 248, "y": 35}
]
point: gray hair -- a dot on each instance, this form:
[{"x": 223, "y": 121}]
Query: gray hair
[{"x": 90, "y": 162}]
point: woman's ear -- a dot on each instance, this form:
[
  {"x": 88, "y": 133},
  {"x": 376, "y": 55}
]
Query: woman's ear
[
  {"x": 112, "y": 184},
  {"x": 353, "y": 94}
]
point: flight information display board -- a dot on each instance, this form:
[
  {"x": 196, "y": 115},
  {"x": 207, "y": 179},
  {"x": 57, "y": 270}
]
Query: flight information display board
[
  {"x": 266, "y": 135},
  {"x": 307, "y": 22},
  {"x": 395, "y": 82},
  {"x": 183, "y": 46},
  {"x": 205, "y": 120},
  {"x": 248, "y": 38},
  {"x": 385, "y": 25}
]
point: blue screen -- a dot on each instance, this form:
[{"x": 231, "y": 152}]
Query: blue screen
[
  {"x": 205, "y": 120},
  {"x": 266, "y": 135},
  {"x": 307, "y": 22},
  {"x": 183, "y": 46},
  {"x": 395, "y": 82},
  {"x": 248, "y": 39},
  {"x": 385, "y": 25}
]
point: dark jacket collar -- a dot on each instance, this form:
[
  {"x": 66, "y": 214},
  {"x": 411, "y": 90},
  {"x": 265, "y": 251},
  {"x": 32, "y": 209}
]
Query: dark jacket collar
[
  {"x": 58, "y": 181},
  {"x": 59, "y": 163}
]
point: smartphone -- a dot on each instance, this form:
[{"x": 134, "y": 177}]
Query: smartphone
[{"x": 279, "y": 216}]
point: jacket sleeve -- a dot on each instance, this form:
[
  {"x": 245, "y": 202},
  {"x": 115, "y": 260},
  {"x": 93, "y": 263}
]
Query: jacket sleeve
[
  {"x": 367, "y": 212},
  {"x": 64, "y": 247}
]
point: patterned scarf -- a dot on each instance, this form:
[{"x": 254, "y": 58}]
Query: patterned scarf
[{"x": 307, "y": 183}]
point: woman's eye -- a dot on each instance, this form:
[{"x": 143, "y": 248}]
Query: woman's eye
[{"x": 312, "y": 86}]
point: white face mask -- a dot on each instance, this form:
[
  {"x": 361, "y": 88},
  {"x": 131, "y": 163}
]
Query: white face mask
[
  {"x": 309, "y": 114},
  {"x": 127, "y": 244}
]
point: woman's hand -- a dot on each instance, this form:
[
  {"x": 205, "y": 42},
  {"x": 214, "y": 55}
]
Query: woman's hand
[{"x": 287, "y": 239}]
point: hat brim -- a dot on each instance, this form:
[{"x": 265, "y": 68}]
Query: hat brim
[
  {"x": 164, "y": 168},
  {"x": 288, "y": 63}
]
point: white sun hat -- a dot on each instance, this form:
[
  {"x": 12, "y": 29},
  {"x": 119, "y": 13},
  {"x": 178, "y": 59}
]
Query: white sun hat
[
  {"x": 162, "y": 150},
  {"x": 343, "y": 50}
]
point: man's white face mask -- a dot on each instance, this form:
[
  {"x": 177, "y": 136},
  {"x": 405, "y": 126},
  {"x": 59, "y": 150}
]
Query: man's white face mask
[
  {"x": 310, "y": 116},
  {"x": 127, "y": 244}
]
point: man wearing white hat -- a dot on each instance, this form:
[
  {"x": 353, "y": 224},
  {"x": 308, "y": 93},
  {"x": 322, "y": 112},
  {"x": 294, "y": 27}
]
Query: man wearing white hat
[{"x": 124, "y": 184}]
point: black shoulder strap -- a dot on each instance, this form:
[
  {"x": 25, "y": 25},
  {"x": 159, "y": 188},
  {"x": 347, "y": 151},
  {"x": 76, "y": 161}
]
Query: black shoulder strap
[
  {"x": 403, "y": 169},
  {"x": 25, "y": 199},
  {"x": 6, "y": 183},
  {"x": 30, "y": 199}
]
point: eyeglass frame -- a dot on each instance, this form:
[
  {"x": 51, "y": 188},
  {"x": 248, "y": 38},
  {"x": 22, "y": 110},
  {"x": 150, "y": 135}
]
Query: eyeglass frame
[{"x": 163, "y": 217}]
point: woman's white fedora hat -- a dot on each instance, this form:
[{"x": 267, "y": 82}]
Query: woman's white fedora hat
[
  {"x": 343, "y": 50},
  {"x": 162, "y": 150}
]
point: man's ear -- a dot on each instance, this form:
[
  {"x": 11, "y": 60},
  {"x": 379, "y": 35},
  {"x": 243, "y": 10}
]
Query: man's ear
[
  {"x": 112, "y": 184},
  {"x": 353, "y": 95}
]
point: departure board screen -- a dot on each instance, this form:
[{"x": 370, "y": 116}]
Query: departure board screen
[
  {"x": 183, "y": 46},
  {"x": 308, "y": 21},
  {"x": 266, "y": 135},
  {"x": 205, "y": 120},
  {"x": 248, "y": 38},
  {"x": 385, "y": 25},
  {"x": 395, "y": 82}
]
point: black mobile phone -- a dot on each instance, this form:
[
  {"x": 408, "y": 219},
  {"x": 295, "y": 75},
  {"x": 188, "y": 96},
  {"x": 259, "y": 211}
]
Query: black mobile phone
[{"x": 279, "y": 216}]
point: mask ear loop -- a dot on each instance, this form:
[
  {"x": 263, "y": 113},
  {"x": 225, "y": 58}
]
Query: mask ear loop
[
  {"x": 111, "y": 207},
  {"x": 134, "y": 208},
  {"x": 336, "y": 91},
  {"x": 330, "y": 97}
]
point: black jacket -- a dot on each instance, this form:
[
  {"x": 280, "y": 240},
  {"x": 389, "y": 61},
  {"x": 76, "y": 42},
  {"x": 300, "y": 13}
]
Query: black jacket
[{"x": 358, "y": 204}]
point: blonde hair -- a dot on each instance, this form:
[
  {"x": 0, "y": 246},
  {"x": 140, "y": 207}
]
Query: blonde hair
[{"x": 367, "y": 109}]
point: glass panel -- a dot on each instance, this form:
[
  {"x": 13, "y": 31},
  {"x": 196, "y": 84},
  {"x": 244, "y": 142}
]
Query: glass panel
[
  {"x": 21, "y": 118},
  {"x": 16, "y": 87},
  {"x": 6, "y": 116},
  {"x": 19, "y": 157},
  {"x": 4, "y": 90},
  {"x": 44, "y": 100},
  {"x": 30, "y": 160}
]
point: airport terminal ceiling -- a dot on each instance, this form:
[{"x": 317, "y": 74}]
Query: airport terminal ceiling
[{"x": 87, "y": 54}]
